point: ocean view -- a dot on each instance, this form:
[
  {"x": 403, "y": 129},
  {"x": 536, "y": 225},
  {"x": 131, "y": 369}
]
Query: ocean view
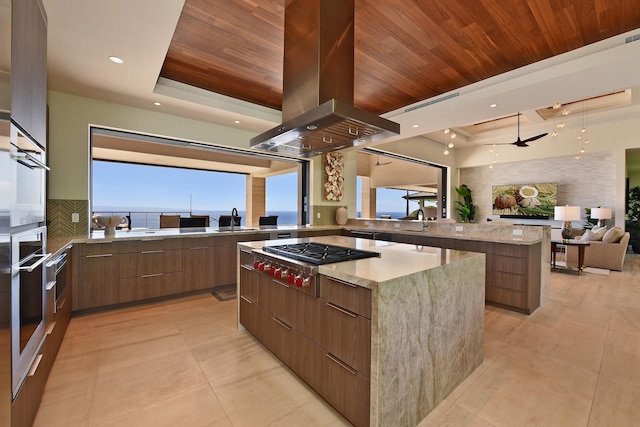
[{"x": 150, "y": 217}]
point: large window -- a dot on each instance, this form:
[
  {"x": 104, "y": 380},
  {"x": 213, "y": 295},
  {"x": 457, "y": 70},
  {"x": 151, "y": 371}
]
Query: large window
[
  {"x": 282, "y": 198},
  {"x": 145, "y": 191}
]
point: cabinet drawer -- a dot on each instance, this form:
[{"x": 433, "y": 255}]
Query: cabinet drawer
[
  {"x": 150, "y": 286},
  {"x": 345, "y": 335},
  {"x": 248, "y": 284},
  {"x": 196, "y": 242},
  {"x": 346, "y": 390},
  {"x": 346, "y": 295},
  {"x": 89, "y": 249},
  {"x": 249, "y": 316},
  {"x": 149, "y": 262},
  {"x": 246, "y": 258},
  {"x": 127, "y": 246}
]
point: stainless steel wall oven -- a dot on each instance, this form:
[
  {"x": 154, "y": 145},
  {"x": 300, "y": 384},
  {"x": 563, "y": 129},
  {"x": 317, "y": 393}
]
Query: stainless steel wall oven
[
  {"x": 27, "y": 175},
  {"x": 28, "y": 301}
]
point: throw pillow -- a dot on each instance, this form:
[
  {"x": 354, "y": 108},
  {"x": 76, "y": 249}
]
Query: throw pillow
[
  {"x": 591, "y": 236},
  {"x": 614, "y": 235},
  {"x": 597, "y": 229}
]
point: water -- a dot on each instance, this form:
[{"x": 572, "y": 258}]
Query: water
[{"x": 150, "y": 217}]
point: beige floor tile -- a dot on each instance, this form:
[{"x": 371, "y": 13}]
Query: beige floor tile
[
  {"x": 136, "y": 386},
  {"x": 453, "y": 416},
  {"x": 194, "y": 408},
  {"x": 525, "y": 389},
  {"x": 615, "y": 404},
  {"x": 315, "y": 413},
  {"x": 621, "y": 360}
]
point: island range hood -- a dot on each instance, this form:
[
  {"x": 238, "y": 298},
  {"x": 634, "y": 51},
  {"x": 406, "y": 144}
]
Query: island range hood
[{"x": 318, "y": 80}]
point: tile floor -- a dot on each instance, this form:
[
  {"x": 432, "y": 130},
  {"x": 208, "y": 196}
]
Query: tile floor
[{"x": 573, "y": 362}]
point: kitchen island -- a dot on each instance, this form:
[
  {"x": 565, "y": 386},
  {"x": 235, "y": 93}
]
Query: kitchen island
[{"x": 418, "y": 312}]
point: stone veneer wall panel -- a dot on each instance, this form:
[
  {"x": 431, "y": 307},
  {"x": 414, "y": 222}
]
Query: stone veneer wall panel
[{"x": 588, "y": 182}]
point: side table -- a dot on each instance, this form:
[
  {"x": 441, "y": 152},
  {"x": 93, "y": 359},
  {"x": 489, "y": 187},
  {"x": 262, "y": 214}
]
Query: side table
[{"x": 581, "y": 244}]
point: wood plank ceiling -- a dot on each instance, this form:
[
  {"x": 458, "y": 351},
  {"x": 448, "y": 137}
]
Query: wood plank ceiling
[{"x": 406, "y": 50}]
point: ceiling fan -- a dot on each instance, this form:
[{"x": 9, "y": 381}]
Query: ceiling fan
[
  {"x": 522, "y": 142},
  {"x": 381, "y": 164}
]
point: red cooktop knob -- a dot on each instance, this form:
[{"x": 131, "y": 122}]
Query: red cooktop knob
[
  {"x": 278, "y": 273},
  {"x": 291, "y": 278},
  {"x": 272, "y": 270},
  {"x": 299, "y": 281},
  {"x": 256, "y": 264},
  {"x": 263, "y": 266}
]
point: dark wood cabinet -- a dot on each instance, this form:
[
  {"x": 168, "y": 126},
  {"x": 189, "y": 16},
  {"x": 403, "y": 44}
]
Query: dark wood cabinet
[
  {"x": 149, "y": 269},
  {"x": 225, "y": 263},
  {"x": 97, "y": 275},
  {"x": 198, "y": 264},
  {"x": 29, "y": 68}
]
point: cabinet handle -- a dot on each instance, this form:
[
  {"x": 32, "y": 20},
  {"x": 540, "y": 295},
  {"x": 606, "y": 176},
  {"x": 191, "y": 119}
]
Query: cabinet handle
[
  {"x": 98, "y": 256},
  {"x": 50, "y": 328},
  {"x": 341, "y": 363},
  {"x": 351, "y": 285},
  {"x": 199, "y": 247},
  {"x": 58, "y": 308},
  {"x": 281, "y": 323},
  {"x": 246, "y": 267},
  {"x": 153, "y": 252},
  {"x": 51, "y": 285},
  {"x": 281, "y": 284},
  {"x": 34, "y": 367},
  {"x": 342, "y": 310},
  {"x": 145, "y": 276},
  {"x": 246, "y": 299},
  {"x": 151, "y": 240}
]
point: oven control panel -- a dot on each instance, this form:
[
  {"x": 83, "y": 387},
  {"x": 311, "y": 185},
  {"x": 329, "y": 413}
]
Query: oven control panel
[{"x": 294, "y": 275}]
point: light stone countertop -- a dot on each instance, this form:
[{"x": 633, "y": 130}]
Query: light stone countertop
[{"x": 397, "y": 260}]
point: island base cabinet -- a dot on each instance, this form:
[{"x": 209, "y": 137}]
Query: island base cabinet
[
  {"x": 345, "y": 389},
  {"x": 150, "y": 286}
]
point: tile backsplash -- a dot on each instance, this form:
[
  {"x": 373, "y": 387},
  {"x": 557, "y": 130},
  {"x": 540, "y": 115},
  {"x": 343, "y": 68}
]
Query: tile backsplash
[{"x": 60, "y": 214}]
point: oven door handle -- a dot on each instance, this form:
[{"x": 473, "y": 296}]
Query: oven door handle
[
  {"x": 36, "y": 264},
  {"x": 24, "y": 156}
]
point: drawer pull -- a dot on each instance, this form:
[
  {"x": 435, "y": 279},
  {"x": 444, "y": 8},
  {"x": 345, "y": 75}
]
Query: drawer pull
[
  {"x": 99, "y": 256},
  {"x": 341, "y": 363},
  {"x": 342, "y": 310},
  {"x": 59, "y": 307},
  {"x": 145, "y": 276},
  {"x": 151, "y": 240},
  {"x": 34, "y": 367},
  {"x": 153, "y": 252},
  {"x": 281, "y": 323},
  {"x": 246, "y": 299},
  {"x": 51, "y": 285},
  {"x": 198, "y": 248},
  {"x": 50, "y": 328},
  {"x": 351, "y": 285},
  {"x": 246, "y": 267}
]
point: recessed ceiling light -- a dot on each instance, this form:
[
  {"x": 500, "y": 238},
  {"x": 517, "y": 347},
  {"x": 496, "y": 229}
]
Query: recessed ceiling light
[
  {"x": 237, "y": 122},
  {"x": 415, "y": 126},
  {"x": 157, "y": 103},
  {"x": 116, "y": 60},
  {"x": 493, "y": 105}
]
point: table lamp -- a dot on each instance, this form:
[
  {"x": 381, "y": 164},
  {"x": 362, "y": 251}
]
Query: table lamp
[
  {"x": 566, "y": 214},
  {"x": 600, "y": 214}
]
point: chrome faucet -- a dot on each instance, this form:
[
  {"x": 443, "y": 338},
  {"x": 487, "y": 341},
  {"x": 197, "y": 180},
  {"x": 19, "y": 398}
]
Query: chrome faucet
[
  {"x": 234, "y": 215},
  {"x": 424, "y": 223}
]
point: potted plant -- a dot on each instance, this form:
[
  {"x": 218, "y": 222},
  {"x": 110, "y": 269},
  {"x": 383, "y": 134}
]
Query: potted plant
[
  {"x": 466, "y": 208},
  {"x": 632, "y": 218}
]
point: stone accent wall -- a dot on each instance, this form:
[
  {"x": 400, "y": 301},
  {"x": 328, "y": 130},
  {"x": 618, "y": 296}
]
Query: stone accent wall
[
  {"x": 59, "y": 217},
  {"x": 588, "y": 182}
]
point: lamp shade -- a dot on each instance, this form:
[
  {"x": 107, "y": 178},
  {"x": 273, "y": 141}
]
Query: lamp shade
[
  {"x": 601, "y": 213},
  {"x": 566, "y": 213}
]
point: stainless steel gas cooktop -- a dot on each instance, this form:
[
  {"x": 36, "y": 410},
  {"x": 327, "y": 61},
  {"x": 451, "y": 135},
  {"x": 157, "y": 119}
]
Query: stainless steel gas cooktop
[{"x": 319, "y": 253}]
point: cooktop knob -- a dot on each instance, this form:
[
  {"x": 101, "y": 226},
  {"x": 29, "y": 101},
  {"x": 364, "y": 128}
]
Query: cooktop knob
[
  {"x": 300, "y": 281},
  {"x": 291, "y": 278},
  {"x": 278, "y": 273},
  {"x": 256, "y": 264},
  {"x": 272, "y": 270}
]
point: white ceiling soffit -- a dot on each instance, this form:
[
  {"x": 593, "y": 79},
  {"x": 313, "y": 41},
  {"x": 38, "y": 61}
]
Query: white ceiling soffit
[{"x": 564, "y": 78}]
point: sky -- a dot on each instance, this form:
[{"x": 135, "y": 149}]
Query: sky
[
  {"x": 144, "y": 186},
  {"x": 161, "y": 187}
]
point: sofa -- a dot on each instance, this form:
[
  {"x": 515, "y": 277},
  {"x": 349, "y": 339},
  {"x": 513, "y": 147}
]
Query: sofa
[{"x": 601, "y": 254}]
